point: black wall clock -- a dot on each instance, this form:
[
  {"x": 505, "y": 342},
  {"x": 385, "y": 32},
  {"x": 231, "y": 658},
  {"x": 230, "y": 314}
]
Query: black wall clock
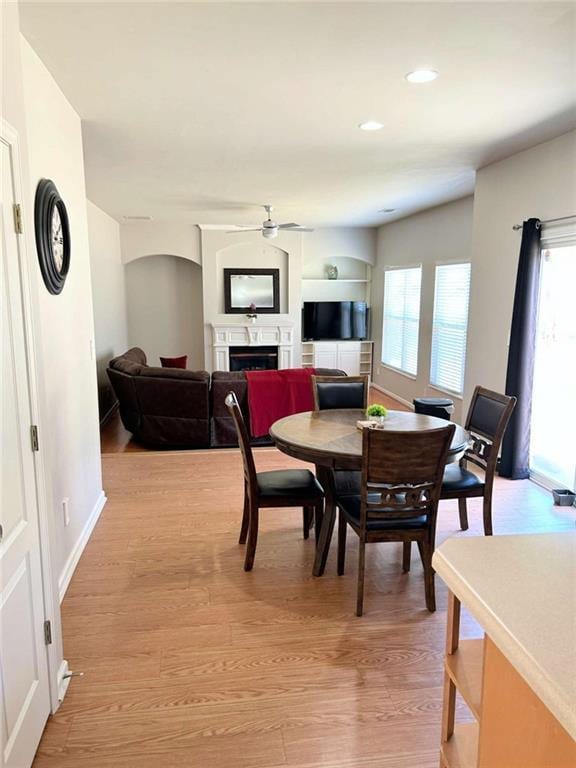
[{"x": 52, "y": 235}]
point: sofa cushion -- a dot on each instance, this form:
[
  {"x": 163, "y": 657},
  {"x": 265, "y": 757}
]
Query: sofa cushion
[
  {"x": 130, "y": 362},
  {"x": 154, "y": 372}
]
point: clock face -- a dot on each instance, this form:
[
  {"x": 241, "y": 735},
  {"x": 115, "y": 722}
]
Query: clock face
[
  {"x": 52, "y": 235},
  {"x": 57, "y": 240}
]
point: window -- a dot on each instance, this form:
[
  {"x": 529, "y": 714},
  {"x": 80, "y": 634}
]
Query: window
[
  {"x": 401, "y": 320},
  {"x": 553, "y": 424},
  {"x": 449, "y": 327}
]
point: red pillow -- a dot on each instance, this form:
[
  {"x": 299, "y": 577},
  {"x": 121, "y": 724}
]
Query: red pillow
[{"x": 174, "y": 362}]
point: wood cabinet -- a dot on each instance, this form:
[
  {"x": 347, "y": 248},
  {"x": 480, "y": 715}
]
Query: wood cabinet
[
  {"x": 517, "y": 680},
  {"x": 353, "y": 357}
]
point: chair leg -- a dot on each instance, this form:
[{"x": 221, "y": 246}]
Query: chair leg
[
  {"x": 406, "y": 555},
  {"x": 487, "y": 510},
  {"x": 426, "y": 554},
  {"x": 463, "y": 512},
  {"x": 307, "y": 520},
  {"x": 245, "y": 518},
  {"x": 318, "y": 518},
  {"x": 252, "y": 538},
  {"x": 342, "y": 527},
  {"x": 361, "y": 568}
]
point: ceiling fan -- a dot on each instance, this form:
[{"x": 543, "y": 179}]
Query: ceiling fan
[{"x": 270, "y": 228}]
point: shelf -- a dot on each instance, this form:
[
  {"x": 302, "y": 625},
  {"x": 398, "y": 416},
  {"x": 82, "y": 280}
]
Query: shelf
[
  {"x": 465, "y": 667},
  {"x": 462, "y": 749}
]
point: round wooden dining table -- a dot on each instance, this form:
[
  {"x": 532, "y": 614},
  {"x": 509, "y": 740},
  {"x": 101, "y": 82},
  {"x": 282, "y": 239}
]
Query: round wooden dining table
[{"x": 331, "y": 440}]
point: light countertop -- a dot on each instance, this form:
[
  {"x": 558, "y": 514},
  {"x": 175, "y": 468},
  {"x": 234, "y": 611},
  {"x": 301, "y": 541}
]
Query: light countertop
[{"x": 522, "y": 591}]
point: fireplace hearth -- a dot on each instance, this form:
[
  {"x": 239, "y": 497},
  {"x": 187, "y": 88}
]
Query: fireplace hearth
[{"x": 253, "y": 358}]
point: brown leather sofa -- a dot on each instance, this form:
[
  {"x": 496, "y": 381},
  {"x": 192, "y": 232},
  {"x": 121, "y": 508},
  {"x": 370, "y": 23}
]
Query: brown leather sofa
[
  {"x": 162, "y": 407},
  {"x": 176, "y": 408},
  {"x": 222, "y": 430}
]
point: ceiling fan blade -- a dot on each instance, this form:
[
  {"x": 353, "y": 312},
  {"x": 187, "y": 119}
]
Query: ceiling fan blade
[
  {"x": 298, "y": 229},
  {"x": 244, "y": 229},
  {"x": 290, "y": 225}
]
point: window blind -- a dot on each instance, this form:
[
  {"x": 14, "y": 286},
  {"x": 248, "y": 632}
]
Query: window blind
[
  {"x": 401, "y": 318},
  {"x": 450, "y": 326}
]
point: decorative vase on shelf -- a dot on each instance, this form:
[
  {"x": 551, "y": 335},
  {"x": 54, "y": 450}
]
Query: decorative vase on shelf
[{"x": 332, "y": 272}]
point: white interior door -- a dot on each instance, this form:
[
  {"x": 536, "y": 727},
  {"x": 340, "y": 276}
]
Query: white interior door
[{"x": 23, "y": 660}]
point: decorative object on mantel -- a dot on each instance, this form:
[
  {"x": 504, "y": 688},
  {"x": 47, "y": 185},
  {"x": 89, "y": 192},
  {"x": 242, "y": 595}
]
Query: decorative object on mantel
[
  {"x": 251, "y": 291},
  {"x": 331, "y": 271},
  {"x": 252, "y": 314},
  {"x": 52, "y": 235}
]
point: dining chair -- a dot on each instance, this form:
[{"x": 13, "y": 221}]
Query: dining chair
[
  {"x": 401, "y": 482},
  {"x": 276, "y": 488},
  {"x": 487, "y": 419},
  {"x": 331, "y": 392}
]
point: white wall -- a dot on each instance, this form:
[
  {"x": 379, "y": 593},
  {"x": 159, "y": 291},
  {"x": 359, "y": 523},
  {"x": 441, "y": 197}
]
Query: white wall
[
  {"x": 328, "y": 243},
  {"x": 351, "y": 249},
  {"x": 147, "y": 238},
  {"x": 249, "y": 249},
  {"x": 539, "y": 182},
  {"x": 109, "y": 298},
  {"x": 438, "y": 235},
  {"x": 70, "y": 438},
  {"x": 164, "y": 307}
]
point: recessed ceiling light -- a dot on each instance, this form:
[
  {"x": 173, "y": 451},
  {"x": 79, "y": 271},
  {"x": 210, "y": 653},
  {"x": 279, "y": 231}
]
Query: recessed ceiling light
[
  {"x": 371, "y": 125},
  {"x": 422, "y": 76}
]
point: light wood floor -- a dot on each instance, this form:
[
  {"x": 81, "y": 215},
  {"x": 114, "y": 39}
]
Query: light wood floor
[
  {"x": 115, "y": 439},
  {"x": 189, "y": 661}
]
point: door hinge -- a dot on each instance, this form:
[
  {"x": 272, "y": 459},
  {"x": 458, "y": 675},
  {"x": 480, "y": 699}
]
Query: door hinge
[
  {"x": 34, "y": 437},
  {"x": 17, "y": 208},
  {"x": 48, "y": 632}
]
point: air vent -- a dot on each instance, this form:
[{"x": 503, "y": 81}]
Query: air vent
[{"x": 137, "y": 218}]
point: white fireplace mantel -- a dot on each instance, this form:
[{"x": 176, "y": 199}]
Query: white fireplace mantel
[{"x": 252, "y": 335}]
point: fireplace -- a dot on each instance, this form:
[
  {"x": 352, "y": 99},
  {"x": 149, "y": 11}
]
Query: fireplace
[{"x": 253, "y": 358}]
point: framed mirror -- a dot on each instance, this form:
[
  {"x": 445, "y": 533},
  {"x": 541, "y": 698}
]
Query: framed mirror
[{"x": 245, "y": 289}]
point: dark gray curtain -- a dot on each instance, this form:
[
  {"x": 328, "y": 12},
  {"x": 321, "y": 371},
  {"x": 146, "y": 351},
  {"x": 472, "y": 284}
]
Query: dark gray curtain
[{"x": 515, "y": 458}]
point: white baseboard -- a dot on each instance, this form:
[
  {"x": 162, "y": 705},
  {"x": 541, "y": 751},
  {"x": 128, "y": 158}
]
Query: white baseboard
[
  {"x": 393, "y": 395},
  {"x": 72, "y": 561}
]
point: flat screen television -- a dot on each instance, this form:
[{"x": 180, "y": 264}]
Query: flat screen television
[{"x": 334, "y": 320}]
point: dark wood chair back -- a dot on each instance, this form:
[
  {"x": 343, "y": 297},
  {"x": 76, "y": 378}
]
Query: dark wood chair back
[
  {"x": 331, "y": 392},
  {"x": 487, "y": 419},
  {"x": 244, "y": 442},
  {"x": 402, "y": 473}
]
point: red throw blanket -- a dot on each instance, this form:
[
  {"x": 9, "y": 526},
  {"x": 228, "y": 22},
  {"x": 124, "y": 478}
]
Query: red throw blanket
[{"x": 275, "y": 394}]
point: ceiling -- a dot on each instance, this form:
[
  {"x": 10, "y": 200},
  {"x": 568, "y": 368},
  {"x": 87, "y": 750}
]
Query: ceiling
[{"x": 203, "y": 111}]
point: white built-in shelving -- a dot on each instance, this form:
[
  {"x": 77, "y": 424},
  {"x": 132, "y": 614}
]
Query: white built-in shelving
[
  {"x": 352, "y": 284},
  {"x": 353, "y": 357}
]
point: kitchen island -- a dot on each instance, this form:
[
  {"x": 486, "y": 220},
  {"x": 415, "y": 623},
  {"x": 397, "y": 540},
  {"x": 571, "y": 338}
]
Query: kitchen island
[{"x": 519, "y": 680}]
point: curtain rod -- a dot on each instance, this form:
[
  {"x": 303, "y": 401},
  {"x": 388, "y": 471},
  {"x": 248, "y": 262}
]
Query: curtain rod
[{"x": 548, "y": 221}]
